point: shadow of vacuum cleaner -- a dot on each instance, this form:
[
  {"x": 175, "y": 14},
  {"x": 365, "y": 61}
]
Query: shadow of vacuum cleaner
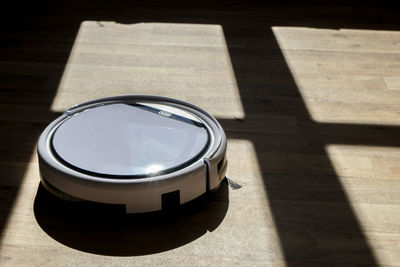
[{"x": 107, "y": 230}]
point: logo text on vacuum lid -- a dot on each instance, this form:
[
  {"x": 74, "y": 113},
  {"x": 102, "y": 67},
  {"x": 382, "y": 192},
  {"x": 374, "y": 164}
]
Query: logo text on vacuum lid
[{"x": 164, "y": 113}]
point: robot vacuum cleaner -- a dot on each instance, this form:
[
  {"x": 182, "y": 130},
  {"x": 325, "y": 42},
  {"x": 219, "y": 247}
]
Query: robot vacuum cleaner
[{"x": 146, "y": 152}]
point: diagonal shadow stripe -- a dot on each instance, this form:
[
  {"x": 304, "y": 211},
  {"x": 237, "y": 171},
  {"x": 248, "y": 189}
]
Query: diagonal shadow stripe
[{"x": 312, "y": 213}]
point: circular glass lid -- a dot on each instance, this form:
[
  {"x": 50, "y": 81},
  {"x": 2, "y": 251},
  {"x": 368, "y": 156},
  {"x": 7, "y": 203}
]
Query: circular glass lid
[{"x": 129, "y": 140}]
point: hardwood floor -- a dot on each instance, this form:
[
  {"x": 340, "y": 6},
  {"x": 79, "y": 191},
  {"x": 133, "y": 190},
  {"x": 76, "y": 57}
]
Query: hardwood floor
[{"x": 309, "y": 96}]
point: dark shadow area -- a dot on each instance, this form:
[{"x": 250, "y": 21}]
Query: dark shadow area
[
  {"x": 29, "y": 77},
  {"x": 312, "y": 213},
  {"x": 107, "y": 230}
]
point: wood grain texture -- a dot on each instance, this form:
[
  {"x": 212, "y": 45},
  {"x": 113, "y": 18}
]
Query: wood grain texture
[{"x": 307, "y": 93}]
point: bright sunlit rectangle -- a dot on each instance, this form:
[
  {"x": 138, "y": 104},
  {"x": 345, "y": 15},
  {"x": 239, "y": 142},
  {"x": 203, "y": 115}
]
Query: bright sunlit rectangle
[
  {"x": 185, "y": 61},
  {"x": 355, "y": 79}
]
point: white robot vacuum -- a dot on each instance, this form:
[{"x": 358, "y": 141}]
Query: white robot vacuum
[{"x": 146, "y": 152}]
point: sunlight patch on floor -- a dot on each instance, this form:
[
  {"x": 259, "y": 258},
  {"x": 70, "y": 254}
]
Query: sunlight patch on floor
[
  {"x": 346, "y": 85},
  {"x": 186, "y": 61},
  {"x": 20, "y": 225},
  {"x": 250, "y": 204}
]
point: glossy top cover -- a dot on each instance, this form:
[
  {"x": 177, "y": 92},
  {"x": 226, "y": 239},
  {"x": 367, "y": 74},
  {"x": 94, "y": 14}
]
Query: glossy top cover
[{"x": 132, "y": 141}]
